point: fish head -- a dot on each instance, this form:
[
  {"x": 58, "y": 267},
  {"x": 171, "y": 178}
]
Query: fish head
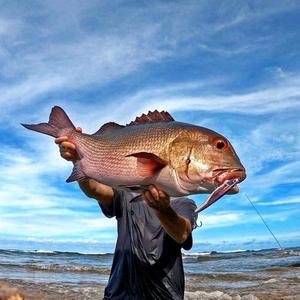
[{"x": 202, "y": 160}]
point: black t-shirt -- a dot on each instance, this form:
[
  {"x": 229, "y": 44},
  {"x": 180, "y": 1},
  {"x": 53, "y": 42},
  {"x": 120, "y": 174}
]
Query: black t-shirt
[{"x": 147, "y": 263}]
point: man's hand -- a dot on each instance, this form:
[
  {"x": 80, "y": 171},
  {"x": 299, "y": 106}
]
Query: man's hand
[
  {"x": 177, "y": 227},
  {"x": 157, "y": 199},
  {"x": 67, "y": 149}
]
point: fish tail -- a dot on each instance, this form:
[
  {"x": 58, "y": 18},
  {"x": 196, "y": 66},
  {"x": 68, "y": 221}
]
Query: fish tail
[{"x": 59, "y": 124}]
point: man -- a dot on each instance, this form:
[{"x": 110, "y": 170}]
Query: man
[{"x": 152, "y": 229}]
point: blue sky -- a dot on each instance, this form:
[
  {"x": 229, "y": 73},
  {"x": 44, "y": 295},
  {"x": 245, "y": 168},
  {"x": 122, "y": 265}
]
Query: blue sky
[{"x": 232, "y": 66}]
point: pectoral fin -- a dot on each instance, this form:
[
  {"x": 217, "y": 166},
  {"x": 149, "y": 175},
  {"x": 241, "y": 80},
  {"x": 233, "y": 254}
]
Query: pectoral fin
[{"x": 148, "y": 164}]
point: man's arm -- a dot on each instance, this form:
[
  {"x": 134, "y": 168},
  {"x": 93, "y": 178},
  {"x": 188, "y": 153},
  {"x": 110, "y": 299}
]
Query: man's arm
[
  {"x": 177, "y": 227},
  {"x": 102, "y": 193},
  {"x": 93, "y": 189}
]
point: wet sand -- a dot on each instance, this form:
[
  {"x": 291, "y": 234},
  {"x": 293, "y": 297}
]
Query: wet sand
[
  {"x": 252, "y": 286},
  {"x": 51, "y": 291},
  {"x": 197, "y": 287}
]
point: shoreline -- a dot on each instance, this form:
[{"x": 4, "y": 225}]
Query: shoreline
[
  {"x": 207, "y": 289},
  {"x": 249, "y": 275}
]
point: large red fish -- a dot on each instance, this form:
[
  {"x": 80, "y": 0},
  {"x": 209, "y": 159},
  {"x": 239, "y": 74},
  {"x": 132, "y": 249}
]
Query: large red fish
[{"x": 179, "y": 158}]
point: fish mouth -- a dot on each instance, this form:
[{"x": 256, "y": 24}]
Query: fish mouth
[
  {"x": 228, "y": 180},
  {"x": 226, "y": 175}
]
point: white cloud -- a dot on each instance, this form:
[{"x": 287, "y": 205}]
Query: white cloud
[
  {"x": 260, "y": 185},
  {"x": 222, "y": 219},
  {"x": 40, "y": 59},
  {"x": 61, "y": 224},
  {"x": 32, "y": 204},
  {"x": 276, "y": 96},
  {"x": 288, "y": 201},
  {"x": 272, "y": 97},
  {"x": 267, "y": 99},
  {"x": 247, "y": 240}
]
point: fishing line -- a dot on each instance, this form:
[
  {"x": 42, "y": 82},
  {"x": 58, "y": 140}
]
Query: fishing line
[
  {"x": 277, "y": 241},
  {"x": 281, "y": 248},
  {"x": 215, "y": 196}
]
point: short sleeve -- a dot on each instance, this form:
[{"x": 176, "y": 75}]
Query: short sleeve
[
  {"x": 185, "y": 207},
  {"x": 116, "y": 208}
]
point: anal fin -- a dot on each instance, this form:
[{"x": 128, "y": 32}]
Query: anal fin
[{"x": 77, "y": 173}]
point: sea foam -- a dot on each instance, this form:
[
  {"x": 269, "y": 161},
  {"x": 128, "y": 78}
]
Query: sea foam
[{"x": 217, "y": 295}]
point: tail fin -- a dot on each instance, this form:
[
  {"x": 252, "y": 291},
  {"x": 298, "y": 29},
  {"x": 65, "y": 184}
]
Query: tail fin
[{"x": 59, "y": 124}]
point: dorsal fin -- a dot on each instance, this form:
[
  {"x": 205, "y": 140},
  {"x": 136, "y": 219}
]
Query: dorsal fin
[
  {"x": 152, "y": 117},
  {"x": 107, "y": 127}
]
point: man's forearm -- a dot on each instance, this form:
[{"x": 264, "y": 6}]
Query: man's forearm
[
  {"x": 93, "y": 189},
  {"x": 177, "y": 227}
]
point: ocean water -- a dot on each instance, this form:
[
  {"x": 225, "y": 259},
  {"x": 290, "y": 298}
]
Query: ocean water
[{"x": 261, "y": 274}]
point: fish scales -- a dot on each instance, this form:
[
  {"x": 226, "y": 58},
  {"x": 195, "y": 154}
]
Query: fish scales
[{"x": 110, "y": 150}]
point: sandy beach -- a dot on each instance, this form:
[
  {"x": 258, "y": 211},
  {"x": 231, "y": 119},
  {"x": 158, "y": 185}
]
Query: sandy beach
[{"x": 268, "y": 290}]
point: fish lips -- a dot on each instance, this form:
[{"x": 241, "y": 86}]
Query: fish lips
[{"x": 239, "y": 174}]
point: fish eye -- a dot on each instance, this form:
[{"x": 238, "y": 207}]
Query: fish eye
[{"x": 220, "y": 144}]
